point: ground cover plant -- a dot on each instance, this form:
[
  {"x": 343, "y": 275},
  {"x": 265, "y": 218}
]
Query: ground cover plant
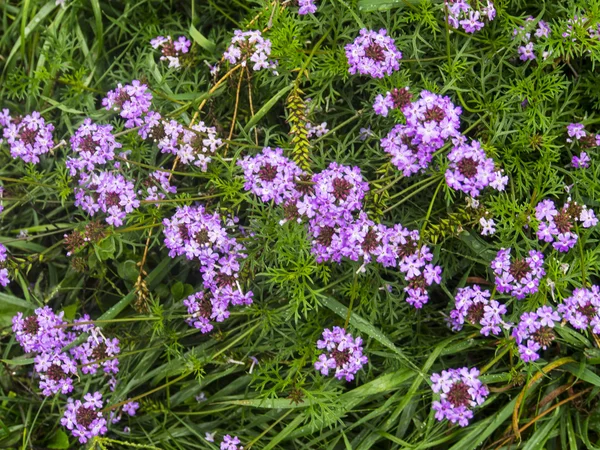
[{"x": 311, "y": 224}]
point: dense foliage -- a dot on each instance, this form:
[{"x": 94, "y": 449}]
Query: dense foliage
[{"x": 330, "y": 224}]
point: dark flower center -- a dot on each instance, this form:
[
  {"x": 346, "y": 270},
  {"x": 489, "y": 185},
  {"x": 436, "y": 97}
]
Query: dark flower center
[
  {"x": 544, "y": 336},
  {"x": 588, "y": 310},
  {"x": 88, "y": 144},
  {"x": 475, "y": 313},
  {"x": 563, "y": 221},
  {"x": 519, "y": 269},
  {"x": 459, "y": 394},
  {"x": 202, "y": 237},
  {"x": 205, "y": 307},
  {"x": 341, "y": 189},
  {"x": 436, "y": 114},
  {"x": 401, "y": 97},
  {"x": 588, "y": 141},
  {"x": 468, "y": 167},
  {"x": 112, "y": 199},
  {"x": 85, "y": 416},
  {"x": 326, "y": 236},
  {"x": 341, "y": 358},
  {"x": 31, "y": 325},
  {"x": 304, "y": 185},
  {"x": 168, "y": 49},
  {"x": 74, "y": 241},
  {"x": 184, "y": 233},
  {"x": 375, "y": 52},
  {"x": 225, "y": 280},
  {"x": 574, "y": 210},
  {"x": 418, "y": 283},
  {"x": 100, "y": 352},
  {"x": 407, "y": 249},
  {"x": 370, "y": 241},
  {"x": 157, "y": 131},
  {"x": 290, "y": 211},
  {"x": 28, "y": 135},
  {"x": 122, "y": 97},
  {"x": 267, "y": 172},
  {"x": 55, "y": 373}
]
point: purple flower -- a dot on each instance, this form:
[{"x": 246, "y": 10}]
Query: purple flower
[
  {"x": 306, "y": 7},
  {"x": 343, "y": 353},
  {"x": 132, "y": 101},
  {"x": 519, "y": 277},
  {"x": 271, "y": 176},
  {"x": 462, "y": 14},
  {"x": 157, "y": 185},
  {"x": 28, "y": 137},
  {"x": 98, "y": 351},
  {"x": 460, "y": 391},
  {"x": 581, "y": 162},
  {"x": 576, "y": 130},
  {"x": 56, "y": 371},
  {"x": 4, "y": 280},
  {"x": 470, "y": 170},
  {"x": 108, "y": 192},
  {"x": 396, "y": 99},
  {"x": 94, "y": 145},
  {"x": 42, "y": 332},
  {"x": 526, "y": 52},
  {"x": 373, "y": 53},
  {"x": 488, "y": 226},
  {"x": 535, "y": 332},
  {"x": 230, "y": 443},
  {"x": 316, "y": 130},
  {"x": 582, "y": 309},
  {"x": 473, "y": 305},
  {"x": 558, "y": 226},
  {"x": 85, "y": 420},
  {"x": 250, "y": 46},
  {"x": 131, "y": 408}
]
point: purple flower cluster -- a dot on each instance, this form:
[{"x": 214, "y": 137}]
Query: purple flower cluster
[
  {"x": 430, "y": 121},
  {"x": 191, "y": 145},
  {"x": 344, "y": 354},
  {"x": 519, "y": 277},
  {"x": 28, "y": 137},
  {"x": 524, "y": 34},
  {"x": 306, "y": 7},
  {"x": 200, "y": 236},
  {"x": 373, "y": 53},
  {"x": 98, "y": 351},
  {"x": 108, "y": 192},
  {"x": 250, "y": 46},
  {"x": 331, "y": 202},
  {"x": 582, "y": 309},
  {"x": 172, "y": 51},
  {"x": 316, "y": 130},
  {"x": 577, "y": 23},
  {"x": 42, "y": 332},
  {"x": 462, "y": 14},
  {"x": 470, "y": 171},
  {"x": 473, "y": 305},
  {"x": 535, "y": 331},
  {"x": 131, "y": 101},
  {"x": 84, "y": 419},
  {"x": 585, "y": 140},
  {"x": 94, "y": 145},
  {"x": 271, "y": 176},
  {"x": 4, "y": 280},
  {"x": 230, "y": 443},
  {"x": 558, "y": 226},
  {"x": 157, "y": 185},
  {"x": 460, "y": 391},
  {"x": 394, "y": 99}
]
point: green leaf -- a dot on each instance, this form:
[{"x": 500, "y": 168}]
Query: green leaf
[
  {"x": 106, "y": 249},
  {"x": 384, "y": 5},
  {"x": 128, "y": 270},
  {"x": 177, "y": 290},
  {"x": 60, "y": 440},
  {"x": 267, "y": 107},
  {"x": 203, "y": 42}
]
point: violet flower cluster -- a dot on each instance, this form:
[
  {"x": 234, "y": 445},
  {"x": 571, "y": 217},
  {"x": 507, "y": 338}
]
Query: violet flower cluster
[
  {"x": 519, "y": 277},
  {"x": 343, "y": 353},
  {"x": 250, "y": 48},
  {"x": 172, "y": 51},
  {"x": 460, "y": 391},
  {"x": 230, "y": 443},
  {"x": 94, "y": 145},
  {"x": 192, "y": 145},
  {"x": 460, "y": 13},
  {"x": 473, "y": 305},
  {"x": 85, "y": 419},
  {"x": 430, "y": 121},
  {"x": 470, "y": 170},
  {"x": 201, "y": 236},
  {"x": 131, "y": 101},
  {"x": 157, "y": 185},
  {"x": 535, "y": 332},
  {"x": 373, "y": 53},
  {"x": 524, "y": 34},
  {"x": 28, "y": 137},
  {"x": 4, "y": 280},
  {"x": 306, "y": 7},
  {"x": 558, "y": 226},
  {"x": 331, "y": 202},
  {"x": 577, "y": 134},
  {"x": 108, "y": 192},
  {"x": 582, "y": 309}
]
